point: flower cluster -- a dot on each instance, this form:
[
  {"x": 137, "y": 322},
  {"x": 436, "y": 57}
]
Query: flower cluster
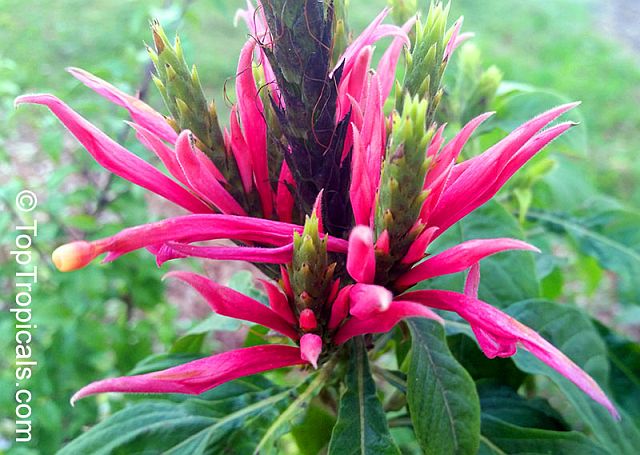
[{"x": 333, "y": 186}]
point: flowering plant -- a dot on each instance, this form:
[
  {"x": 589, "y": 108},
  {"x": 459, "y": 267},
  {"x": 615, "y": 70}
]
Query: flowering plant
[{"x": 339, "y": 180}]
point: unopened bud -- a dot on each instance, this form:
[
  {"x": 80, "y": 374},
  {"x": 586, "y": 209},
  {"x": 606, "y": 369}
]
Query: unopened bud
[
  {"x": 74, "y": 255},
  {"x": 308, "y": 321}
]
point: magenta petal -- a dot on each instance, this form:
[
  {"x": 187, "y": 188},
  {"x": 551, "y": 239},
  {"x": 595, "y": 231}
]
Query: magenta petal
[
  {"x": 418, "y": 248},
  {"x": 254, "y": 125},
  {"x": 472, "y": 283},
  {"x": 340, "y": 307},
  {"x": 162, "y": 151},
  {"x": 141, "y": 113},
  {"x": 278, "y": 302},
  {"x": 240, "y": 150},
  {"x": 369, "y": 299},
  {"x": 459, "y": 258},
  {"x": 227, "y": 302},
  {"x": 383, "y": 322},
  {"x": 361, "y": 192},
  {"x": 498, "y": 334},
  {"x": 196, "y": 228},
  {"x": 361, "y": 257},
  {"x": 386, "y": 68},
  {"x": 115, "y": 158},
  {"x": 280, "y": 255},
  {"x": 310, "y": 348},
  {"x": 200, "y": 375},
  {"x": 201, "y": 178},
  {"x": 284, "y": 196}
]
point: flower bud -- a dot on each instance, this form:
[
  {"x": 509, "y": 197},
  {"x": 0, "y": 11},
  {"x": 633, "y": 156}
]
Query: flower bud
[{"x": 74, "y": 255}]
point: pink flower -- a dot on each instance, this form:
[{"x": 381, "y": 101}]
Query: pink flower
[{"x": 363, "y": 300}]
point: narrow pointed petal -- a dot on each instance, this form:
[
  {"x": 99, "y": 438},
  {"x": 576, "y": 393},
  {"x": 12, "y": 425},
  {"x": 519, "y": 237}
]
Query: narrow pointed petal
[
  {"x": 284, "y": 195},
  {"x": 499, "y": 333},
  {"x": 227, "y": 302},
  {"x": 361, "y": 257},
  {"x": 280, "y": 255},
  {"x": 459, "y": 258},
  {"x": 200, "y": 375},
  {"x": 162, "y": 151},
  {"x": 369, "y": 299},
  {"x": 193, "y": 228},
  {"x": 240, "y": 150},
  {"x": 278, "y": 302},
  {"x": 310, "y": 348},
  {"x": 340, "y": 307},
  {"x": 387, "y": 66},
  {"x": 383, "y": 322},
  {"x": 383, "y": 243},
  {"x": 364, "y": 39},
  {"x": 203, "y": 181},
  {"x": 360, "y": 190},
  {"x": 317, "y": 210},
  {"x": 254, "y": 125},
  {"x": 115, "y": 158},
  {"x": 472, "y": 283},
  {"x": 141, "y": 113},
  {"x": 419, "y": 246},
  {"x": 455, "y": 203}
]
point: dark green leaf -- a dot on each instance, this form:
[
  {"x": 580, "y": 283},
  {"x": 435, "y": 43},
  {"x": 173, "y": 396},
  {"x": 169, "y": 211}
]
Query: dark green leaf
[
  {"x": 314, "y": 431},
  {"x": 571, "y": 331},
  {"x": 506, "y": 277},
  {"x": 362, "y": 425},
  {"x": 624, "y": 362},
  {"x": 442, "y": 398},
  {"x": 500, "y": 437},
  {"x": 505, "y": 404},
  {"x": 231, "y": 419},
  {"x": 609, "y": 235}
]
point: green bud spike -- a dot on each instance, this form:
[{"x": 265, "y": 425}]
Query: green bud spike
[
  {"x": 184, "y": 97},
  {"x": 310, "y": 272}
]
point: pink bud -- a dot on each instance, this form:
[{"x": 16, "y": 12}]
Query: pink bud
[
  {"x": 74, "y": 255},
  {"x": 308, "y": 321}
]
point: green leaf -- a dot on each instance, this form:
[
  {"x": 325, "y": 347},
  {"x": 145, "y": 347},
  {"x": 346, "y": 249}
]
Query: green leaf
[
  {"x": 506, "y": 277},
  {"x": 314, "y": 431},
  {"x": 500, "y": 437},
  {"x": 505, "y": 404},
  {"x": 624, "y": 362},
  {"x": 610, "y": 235},
  {"x": 362, "y": 425},
  {"x": 571, "y": 331},
  {"x": 232, "y": 418},
  {"x": 442, "y": 397}
]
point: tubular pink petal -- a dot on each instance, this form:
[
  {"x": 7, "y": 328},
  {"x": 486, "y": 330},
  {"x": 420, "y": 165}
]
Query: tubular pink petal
[
  {"x": 360, "y": 190},
  {"x": 382, "y": 244},
  {"x": 472, "y": 283},
  {"x": 141, "y": 113},
  {"x": 227, "y": 302},
  {"x": 386, "y": 68},
  {"x": 456, "y": 196},
  {"x": 240, "y": 151},
  {"x": 452, "y": 43},
  {"x": 499, "y": 334},
  {"x": 317, "y": 210},
  {"x": 352, "y": 84},
  {"x": 369, "y": 299},
  {"x": 200, "y": 375},
  {"x": 364, "y": 39},
  {"x": 162, "y": 151},
  {"x": 201, "y": 178},
  {"x": 115, "y": 158},
  {"x": 280, "y": 255},
  {"x": 196, "y": 228},
  {"x": 278, "y": 301},
  {"x": 459, "y": 258},
  {"x": 254, "y": 125},
  {"x": 340, "y": 307},
  {"x": 419, "y": 246},
  {"x": 310, "y": 348},
  {"x": 383, "y": 322},
  {"x": 361, "y": 257},
  {"x": 284, "y": 197}
]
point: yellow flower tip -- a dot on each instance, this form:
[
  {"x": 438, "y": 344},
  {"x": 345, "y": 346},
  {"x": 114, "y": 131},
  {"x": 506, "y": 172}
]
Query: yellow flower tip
[{"x": 73, "y": 256}]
